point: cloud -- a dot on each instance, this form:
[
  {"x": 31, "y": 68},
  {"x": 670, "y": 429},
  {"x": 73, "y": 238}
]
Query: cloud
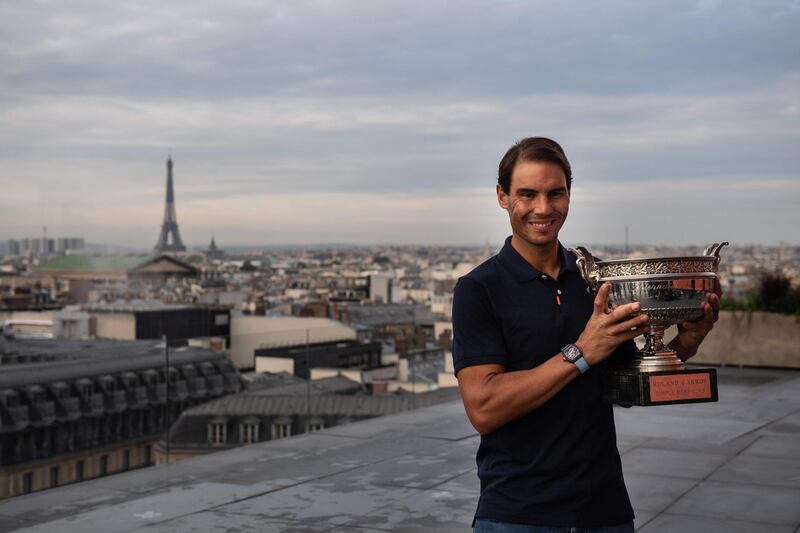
[{"x": 303, "y": 99}]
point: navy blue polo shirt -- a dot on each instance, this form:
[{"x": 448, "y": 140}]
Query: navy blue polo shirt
[{"x": 559, "y": 464}]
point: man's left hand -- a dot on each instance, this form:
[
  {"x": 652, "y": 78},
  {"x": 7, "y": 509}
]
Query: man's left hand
[{"x": 691, "y": 334}]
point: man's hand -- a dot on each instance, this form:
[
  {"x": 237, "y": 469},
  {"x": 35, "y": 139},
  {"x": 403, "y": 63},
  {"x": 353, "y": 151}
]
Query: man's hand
[
  {"x": 607, "y": 330},
  {"x": 691, "y": 334}
]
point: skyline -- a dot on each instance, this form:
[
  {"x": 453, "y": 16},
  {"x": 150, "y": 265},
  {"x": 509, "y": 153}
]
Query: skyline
[{"x": 300, "y": 124}]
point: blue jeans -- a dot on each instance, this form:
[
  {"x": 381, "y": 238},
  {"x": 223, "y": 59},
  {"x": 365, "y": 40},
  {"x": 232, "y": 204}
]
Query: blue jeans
[{"x": 484, "y": 525}]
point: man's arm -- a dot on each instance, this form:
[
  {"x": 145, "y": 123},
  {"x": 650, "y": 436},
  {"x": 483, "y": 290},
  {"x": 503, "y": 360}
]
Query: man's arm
[{"x": 493, "y": 397}]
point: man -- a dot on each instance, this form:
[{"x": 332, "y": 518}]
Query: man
[{"x": 530, "y": 345}]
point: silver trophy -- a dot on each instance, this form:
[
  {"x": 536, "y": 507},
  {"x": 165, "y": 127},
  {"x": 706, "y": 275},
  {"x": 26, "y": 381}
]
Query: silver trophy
[{"x": 670, "y": 290}]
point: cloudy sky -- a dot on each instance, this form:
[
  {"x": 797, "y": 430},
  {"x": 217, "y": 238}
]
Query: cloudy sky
[{"x": 383, "y": 122}]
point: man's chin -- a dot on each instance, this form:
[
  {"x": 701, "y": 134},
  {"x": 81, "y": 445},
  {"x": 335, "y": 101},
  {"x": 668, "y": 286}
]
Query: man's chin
[{"x": 538, "y": 239}]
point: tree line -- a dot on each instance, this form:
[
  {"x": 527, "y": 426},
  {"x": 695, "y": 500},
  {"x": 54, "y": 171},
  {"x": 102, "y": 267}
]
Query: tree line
[{"x": 774, "y": 292}]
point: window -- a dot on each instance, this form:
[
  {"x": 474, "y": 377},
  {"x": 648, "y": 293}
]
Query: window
[
  {"x": 281, "y": 429},
  {"x": 86, "y": 388},
  {"x": 79, "y": 470},
  {"x": 314, "y": 425},
  {"x": 249, "y": 432},
  {"x": 103, "y": 465},
  {"x": 126, "y": 459},
  {"x": 217, "y": 432},
  {"x": 54, "y": 472},
  {"x": 27, "y": 483}
]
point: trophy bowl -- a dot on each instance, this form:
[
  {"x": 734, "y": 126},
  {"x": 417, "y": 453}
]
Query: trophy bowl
[{"x": 670, "y": 290}]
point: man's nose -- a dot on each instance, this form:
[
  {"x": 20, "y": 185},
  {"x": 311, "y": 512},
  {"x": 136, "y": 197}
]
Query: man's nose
[{"x": 541, "y": 205}]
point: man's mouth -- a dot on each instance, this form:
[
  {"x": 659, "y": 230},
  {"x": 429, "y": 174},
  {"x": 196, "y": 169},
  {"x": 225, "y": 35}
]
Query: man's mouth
[{"x": 540, "y": 224}]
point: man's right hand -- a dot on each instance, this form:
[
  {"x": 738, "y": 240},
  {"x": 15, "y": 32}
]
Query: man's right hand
[{"x": 608, "y": 329}]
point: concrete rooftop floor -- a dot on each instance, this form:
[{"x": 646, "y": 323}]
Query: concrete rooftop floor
[{"x": 728, "y": 466}]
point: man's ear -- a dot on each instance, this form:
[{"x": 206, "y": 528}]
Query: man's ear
[{"x": 502, "y": 197}]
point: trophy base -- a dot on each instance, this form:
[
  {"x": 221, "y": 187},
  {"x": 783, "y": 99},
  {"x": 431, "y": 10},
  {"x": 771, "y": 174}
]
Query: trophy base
[{"x": 629, "y": 387}]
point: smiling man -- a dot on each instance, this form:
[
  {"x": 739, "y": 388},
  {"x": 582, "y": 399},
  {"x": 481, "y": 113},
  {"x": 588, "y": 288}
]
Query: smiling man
[{"x": 530, "y": 348}]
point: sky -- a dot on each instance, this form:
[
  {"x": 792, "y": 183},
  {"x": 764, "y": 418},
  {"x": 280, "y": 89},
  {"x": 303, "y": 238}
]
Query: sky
[{"x": 313, "y": 122}]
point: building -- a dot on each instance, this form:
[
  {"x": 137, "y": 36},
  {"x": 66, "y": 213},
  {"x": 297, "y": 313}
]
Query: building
[
  {"x": 84, "y": 275},
  {"x": 299, "y": 359},
  {"x": 12, "y": 248},
  {"x": 70, "y": 245},
  {"x": 408, "y": 326},
  {"x": 213, "y": 253},
  {"x": 154, "y": 320},
  {"x": 252, "y": 417},
  {"x": 249, "y": 333},
  {"x": 43, "y": 246},
  {"x": 73, "y": 410}
]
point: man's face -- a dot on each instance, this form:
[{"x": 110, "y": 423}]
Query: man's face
[{"x": 537, "y": 202}]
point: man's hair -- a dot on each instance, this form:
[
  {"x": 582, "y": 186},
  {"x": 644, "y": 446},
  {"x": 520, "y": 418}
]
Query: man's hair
[{"x": 532, "y": 149}]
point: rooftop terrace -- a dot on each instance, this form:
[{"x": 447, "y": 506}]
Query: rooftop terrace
[{"x": 727, "y": 466}]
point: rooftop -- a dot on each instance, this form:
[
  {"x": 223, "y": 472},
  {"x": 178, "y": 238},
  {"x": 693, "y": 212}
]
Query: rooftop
[
  {"x": 727, "y": 466},
  {"x": 94, "y": 263},
  {"x": 75, "y": 359}
]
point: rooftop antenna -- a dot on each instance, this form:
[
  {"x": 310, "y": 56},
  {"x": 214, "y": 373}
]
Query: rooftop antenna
[{"x": 627, "y": 248}]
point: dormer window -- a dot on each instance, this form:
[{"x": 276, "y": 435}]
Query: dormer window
[
  {"x": 282, "y": 428},
  {"x": 60, "y": 390},
  {"x": 150, "y": 377},
  {"x": 249, "y": 430},
  {"x": 108, "y": 383},
  {"x": 130, "y": 380},
  {"x": 315, "y": 424},
  {"x": 36, "y": 393},
  {"x": 84, "y": 386},
  {"x": 218, "y": 431}
]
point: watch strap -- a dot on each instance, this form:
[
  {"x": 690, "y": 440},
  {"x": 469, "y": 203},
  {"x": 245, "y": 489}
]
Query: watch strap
[
  {"x": 573, "y": 354},
  {"x": 582, "y": 365}
]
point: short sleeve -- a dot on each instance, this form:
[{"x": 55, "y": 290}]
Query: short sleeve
[{"x": 477, "y": 332}]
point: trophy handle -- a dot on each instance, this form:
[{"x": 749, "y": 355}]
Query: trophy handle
[
  {"x": 586, "y": 265},
  {"x": 714, "y": 249}
]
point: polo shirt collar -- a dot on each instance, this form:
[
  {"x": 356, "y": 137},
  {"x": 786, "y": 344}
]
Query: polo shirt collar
[{"x": 523, "y": 271}]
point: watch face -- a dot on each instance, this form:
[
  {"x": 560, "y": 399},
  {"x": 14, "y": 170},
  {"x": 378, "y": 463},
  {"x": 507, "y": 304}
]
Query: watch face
[{"x": 571, "y": 353}]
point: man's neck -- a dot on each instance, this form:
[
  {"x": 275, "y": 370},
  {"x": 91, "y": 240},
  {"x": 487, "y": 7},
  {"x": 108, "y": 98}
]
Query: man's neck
[{"x": 543, "y": 258}]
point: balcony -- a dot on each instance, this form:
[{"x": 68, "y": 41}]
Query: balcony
[
  {"x": 137, "y": 397},
  {"x": 19, "y": 417},
  {"x": 216, "y": 385},
  {"x": 179, "y": 390},
  {"x": 44, "y": 413},
  {"x": 68, "y": 408},
  {"x": 197, "y": 386},
  {"x": 115, "y": 401},
  {"x": 92, "y": 405},
  {"x": 157, "y": 393}
]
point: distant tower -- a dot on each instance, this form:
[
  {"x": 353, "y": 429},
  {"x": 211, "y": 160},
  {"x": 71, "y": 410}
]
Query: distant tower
[
  {"x": 213, "y": 252},
  {"x": 170, "y": 225}
]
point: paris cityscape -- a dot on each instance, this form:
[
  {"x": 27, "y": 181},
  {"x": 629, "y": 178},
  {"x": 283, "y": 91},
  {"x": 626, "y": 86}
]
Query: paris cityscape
[{"x": 230, "y": 236}]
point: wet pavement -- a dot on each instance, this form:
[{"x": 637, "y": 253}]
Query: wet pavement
[{"x": 728, "y": 466}]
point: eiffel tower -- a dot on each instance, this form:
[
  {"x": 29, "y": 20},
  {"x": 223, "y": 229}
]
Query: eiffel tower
[{"x": 170, "y": 225}]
